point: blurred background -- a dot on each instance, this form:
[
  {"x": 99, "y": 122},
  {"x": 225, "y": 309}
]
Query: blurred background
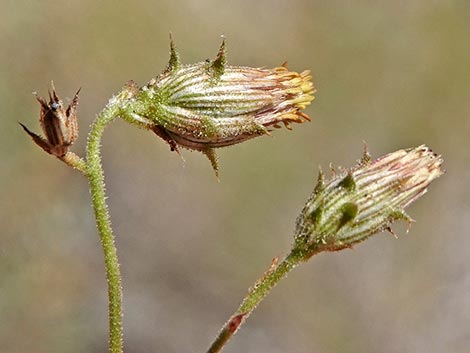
[{"x": 393, "y": 74}]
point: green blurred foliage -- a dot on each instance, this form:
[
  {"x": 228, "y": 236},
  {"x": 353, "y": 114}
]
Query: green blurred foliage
[{"x": 392, "y": 73}]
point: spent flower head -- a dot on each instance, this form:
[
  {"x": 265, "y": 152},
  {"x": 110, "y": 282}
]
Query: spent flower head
[
  {"x": 365, "y": 199},
  {"x": 58, "y": 124},
  {"x": 209, "y": 104}
]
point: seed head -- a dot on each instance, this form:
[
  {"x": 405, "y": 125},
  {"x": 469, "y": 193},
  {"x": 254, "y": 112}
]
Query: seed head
[
  {"x": 364, "y": 200},
  {"x": 210, "y": 104},
  {"x": 59, "y": 125}
]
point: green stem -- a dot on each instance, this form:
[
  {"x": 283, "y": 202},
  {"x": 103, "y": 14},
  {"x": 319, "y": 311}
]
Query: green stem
[
  {"x": 103, "y": 222},
  {"x": 75, "y": 162},
  {"x": 257, "y": 293}
]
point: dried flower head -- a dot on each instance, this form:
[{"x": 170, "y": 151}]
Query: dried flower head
[
  {"x": 365, "y": 199},
  {"x": 59, "y": 125},
  {"x": 210, "y": 104}
]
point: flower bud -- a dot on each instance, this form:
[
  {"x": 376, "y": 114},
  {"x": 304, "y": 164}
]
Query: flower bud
[
  {"x": 210, "y": 104},
  {"x": 364, "y": 200},
  {"x": 59, "y": 125}
]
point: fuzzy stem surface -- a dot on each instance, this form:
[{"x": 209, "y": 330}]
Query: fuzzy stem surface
[
  {"x": 75, "y": 162},
  {"x": 98, "y": 192},
  {"x": 256, "y": 294}
]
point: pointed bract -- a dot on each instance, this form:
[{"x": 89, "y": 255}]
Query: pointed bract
[
  {"x": 366, "y": 158},
  {"x": 217, "y": 66},
  {"x": 39, "y": 140},
  {"x": 212, "y": 156},
  {"x": 320, "y": 185},
  {"x": 174, "y": 61}
]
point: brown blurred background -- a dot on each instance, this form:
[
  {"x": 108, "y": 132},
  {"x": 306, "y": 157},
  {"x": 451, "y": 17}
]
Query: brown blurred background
[{"x": 392, "y": 73}]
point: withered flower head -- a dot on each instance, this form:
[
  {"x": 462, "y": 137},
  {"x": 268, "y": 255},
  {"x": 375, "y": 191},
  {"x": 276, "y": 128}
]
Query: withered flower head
[
  {"x": 59, "y": 125},
  {"x": 210, "y": 104},
  {"x": 365, "y": 199}
]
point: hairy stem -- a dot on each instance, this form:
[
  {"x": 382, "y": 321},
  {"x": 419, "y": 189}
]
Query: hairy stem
[
  {"x": 103, "y": 222},
  {"x": 75, "y": 162},
  {"x": 256, "y": 294}
]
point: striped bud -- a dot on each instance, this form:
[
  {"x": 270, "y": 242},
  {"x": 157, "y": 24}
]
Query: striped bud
[
  {"x": 210, "y": 104},
  {"x": 364, "y": 200}
]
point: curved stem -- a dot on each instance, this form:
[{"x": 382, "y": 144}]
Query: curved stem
[
  {"x": 103, "y": 222},
  {"x": 256, "y": 294}
]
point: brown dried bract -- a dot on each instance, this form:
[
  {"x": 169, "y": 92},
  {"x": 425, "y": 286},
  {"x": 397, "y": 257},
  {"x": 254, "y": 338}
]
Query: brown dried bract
[{"x": 59, "y": 125}]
